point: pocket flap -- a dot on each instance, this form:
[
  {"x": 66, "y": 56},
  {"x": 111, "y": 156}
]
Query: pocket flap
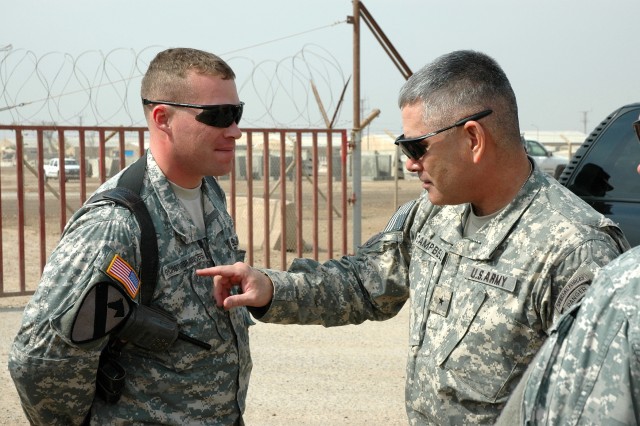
[{"x": 464, "y": 310}]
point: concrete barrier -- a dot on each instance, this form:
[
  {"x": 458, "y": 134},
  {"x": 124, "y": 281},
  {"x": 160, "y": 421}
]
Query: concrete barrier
[
  {"x": 275, "y": 224},
  {"x": 376, "y": 166}
]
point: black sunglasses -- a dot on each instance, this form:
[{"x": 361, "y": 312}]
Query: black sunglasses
[
  {"x": 212, "y": 115},
  {"x": 636, "y": 125},
  {"x": 415, "y": 149}
]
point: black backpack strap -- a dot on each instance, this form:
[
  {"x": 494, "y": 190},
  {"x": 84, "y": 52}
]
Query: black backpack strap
[
  {"x": 127, "y": 193},
  {"x": 133, "y": 176}
]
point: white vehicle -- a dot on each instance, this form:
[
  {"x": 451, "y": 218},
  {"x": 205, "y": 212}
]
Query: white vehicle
[
  {"x": 547, "y": 161},
  {"x": 71, "y": 169}
]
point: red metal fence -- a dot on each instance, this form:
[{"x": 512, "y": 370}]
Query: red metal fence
[{"x": 287, "y": 192}]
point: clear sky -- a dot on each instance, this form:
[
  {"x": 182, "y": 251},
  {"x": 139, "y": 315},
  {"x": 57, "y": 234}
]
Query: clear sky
[{"x": 568, "y": 60}]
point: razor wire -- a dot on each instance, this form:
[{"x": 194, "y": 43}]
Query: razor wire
[{"x": 97, "y": 88}]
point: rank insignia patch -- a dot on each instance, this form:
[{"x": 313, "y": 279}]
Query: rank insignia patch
[
  {"x": 440, "y": 301},
  {"x": 122, "y": 272}
]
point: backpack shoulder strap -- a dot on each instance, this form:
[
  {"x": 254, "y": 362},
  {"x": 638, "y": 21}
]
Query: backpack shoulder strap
[{"x": 127, "y": 193}]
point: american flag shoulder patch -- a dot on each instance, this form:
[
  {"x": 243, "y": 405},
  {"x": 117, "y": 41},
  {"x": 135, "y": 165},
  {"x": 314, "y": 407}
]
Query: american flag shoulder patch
[
  {"x": 397, "y": 220},
  {"x": 122, "y": 272}
]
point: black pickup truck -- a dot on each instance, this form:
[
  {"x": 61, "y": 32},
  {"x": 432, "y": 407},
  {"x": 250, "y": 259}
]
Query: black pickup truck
[{"x": 603, "y": 171}]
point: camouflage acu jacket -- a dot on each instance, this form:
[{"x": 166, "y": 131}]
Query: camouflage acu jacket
[
  {"x": 588, "y": 371},
  {"x": 185, "y": 384},
  {"x": 481, "y": 306}
]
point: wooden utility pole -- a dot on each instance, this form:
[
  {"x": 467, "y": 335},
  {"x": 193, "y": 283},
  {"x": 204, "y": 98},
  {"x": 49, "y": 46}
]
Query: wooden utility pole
[{"x": 360, "y": 13}]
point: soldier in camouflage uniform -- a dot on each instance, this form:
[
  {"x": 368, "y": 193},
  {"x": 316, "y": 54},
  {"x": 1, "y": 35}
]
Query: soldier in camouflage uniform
[
  {"x": 185, "y": 384},
  {"x": 489, "y": 256},
  {"x": 588, "y": 371}
]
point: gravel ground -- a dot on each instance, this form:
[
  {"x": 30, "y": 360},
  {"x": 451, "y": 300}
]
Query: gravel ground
[{"x": 302, "y": 375}]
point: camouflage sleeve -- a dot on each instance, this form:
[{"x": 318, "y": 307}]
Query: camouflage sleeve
[
  {"x": 588, "y": 371},
  {"x": 371, "y": 285},
  {"x": 574, "y": 274},
  {"x": 54, "y": 377}
]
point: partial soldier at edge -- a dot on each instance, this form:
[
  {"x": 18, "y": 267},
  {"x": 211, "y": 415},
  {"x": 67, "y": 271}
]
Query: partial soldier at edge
[{"x": 588, "y": 371}]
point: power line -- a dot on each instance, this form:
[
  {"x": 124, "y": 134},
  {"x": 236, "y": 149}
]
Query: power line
[{"x": 286, "y": 37}]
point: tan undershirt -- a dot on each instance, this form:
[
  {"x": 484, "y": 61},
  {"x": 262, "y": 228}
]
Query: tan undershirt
[
  {"x": 191, "y": 199},
  {"x": 474, "y": 223}
]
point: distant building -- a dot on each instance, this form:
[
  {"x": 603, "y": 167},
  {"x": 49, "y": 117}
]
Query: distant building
[{"x": 559, "y": 141}]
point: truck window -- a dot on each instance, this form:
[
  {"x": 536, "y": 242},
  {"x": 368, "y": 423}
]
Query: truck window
[
  {"x": 535, "y": 149},
  {"x": 610, "y": 172}
]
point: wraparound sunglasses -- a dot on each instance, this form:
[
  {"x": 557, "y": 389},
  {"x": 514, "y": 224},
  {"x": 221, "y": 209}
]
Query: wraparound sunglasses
[
  {"x": 212, "y": 115},
  {"x": 415, "y": 149}
]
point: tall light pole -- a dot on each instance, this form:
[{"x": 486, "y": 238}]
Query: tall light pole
[{"x": 584, "y": 121}]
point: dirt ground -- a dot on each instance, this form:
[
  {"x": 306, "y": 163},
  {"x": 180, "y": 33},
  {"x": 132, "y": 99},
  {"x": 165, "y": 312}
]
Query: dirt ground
[{"x": 310, "y": 375}]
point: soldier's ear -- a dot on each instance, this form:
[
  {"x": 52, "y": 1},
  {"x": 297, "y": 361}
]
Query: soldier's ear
[
  {"x": 101, "y": 310},
  {"x": 477, "y": 139},
  {"x": 161, "y": 116}
]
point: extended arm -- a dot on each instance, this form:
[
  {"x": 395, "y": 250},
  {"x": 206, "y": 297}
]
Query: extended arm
[
  {"x": 371, "y": 285},
  {"x": 256, "y": 287}
]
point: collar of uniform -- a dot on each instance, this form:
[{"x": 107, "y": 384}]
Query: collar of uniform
[
  {"x": 215, "y": 207},
  {"x": 174, "y": 210},
  {"x": 482, "y": 244}
]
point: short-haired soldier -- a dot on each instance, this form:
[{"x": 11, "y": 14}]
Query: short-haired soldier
[
  {"x": 490, "y": 255},
  {"x": 178, "y": 359}
]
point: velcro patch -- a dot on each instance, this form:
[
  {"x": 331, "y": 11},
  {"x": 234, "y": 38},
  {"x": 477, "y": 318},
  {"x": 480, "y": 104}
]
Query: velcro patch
[
  {"x": 122, "y": 272},
  {"x": 431, "y": 248},
  {"x": 440, "y": 301},
  {"x": 492, "y": 278},
  {"x": 397, "y": 220},
  {"x": 104, "y": 308},
  {"x": 184, "y": 264},
  {"x": 574, "y": 290}
]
